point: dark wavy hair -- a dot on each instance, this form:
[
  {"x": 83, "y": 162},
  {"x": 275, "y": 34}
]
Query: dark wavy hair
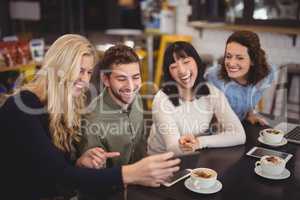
[
  {"x": 178, "y": 50},
  {"x": 259, "y": 68}
]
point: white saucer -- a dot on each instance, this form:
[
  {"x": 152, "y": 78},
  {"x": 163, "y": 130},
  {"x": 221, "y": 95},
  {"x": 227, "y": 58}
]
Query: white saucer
[
  {"x": 285, "y": 174},
  {"x": 283, "y": 142},
  {"x": 213, "y": 189}
]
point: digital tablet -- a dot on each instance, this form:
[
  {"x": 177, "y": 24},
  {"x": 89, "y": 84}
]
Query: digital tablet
[
  {"x": 177, "y": 177},
  {"x": 259, "y": 152}
]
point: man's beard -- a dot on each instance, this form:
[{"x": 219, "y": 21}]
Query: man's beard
[{"x": 118, "y": 96}]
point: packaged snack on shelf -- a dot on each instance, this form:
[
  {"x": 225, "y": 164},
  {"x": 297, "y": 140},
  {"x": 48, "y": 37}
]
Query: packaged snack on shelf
[
  {"x": 24, "y": 55},
  {"x": 12, "y": 53},
  {"x": 9, "y": 52},
  {"x": 2, "y": 59}
]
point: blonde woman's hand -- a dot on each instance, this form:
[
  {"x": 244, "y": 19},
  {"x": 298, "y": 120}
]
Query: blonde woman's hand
[
  {"x": 95, "y": 158},
  {"x": 151, "y": 171},
  {"x": 188, "y": 143}
]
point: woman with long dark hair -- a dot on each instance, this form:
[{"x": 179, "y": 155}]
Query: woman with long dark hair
[{"x": 185, "y": 106}]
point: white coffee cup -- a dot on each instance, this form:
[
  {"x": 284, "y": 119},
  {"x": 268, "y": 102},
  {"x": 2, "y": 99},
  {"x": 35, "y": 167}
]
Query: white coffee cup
[
  {"x": 203, "y": 177},
  {"x": 272, "y": 135},
  {"x": 272, "y": 165}
]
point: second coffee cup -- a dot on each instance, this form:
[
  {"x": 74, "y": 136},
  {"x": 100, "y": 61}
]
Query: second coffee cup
[
  {"x": 272, "y": 165},
  {"x": 272, "y": 135},
  {"x": 203, "y": 177}
]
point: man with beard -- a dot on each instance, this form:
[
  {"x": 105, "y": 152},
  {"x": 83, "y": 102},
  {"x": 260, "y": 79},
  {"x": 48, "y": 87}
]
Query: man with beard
[{"x": 116, "y": 123}]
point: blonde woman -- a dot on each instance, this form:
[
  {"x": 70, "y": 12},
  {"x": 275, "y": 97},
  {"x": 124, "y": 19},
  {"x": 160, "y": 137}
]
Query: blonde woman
[{"x": 40, "y": 125}]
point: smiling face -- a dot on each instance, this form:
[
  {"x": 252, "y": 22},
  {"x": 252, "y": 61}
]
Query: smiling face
[
  {"x": 123, "y": 82},
  {"x": 86, "y": 70},
  {"x": 237, "y": 62},
  {"x": 184, "y": 71}
]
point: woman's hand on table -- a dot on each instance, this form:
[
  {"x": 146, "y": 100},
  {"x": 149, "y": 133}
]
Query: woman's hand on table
[{"x": 188, "y": 143}]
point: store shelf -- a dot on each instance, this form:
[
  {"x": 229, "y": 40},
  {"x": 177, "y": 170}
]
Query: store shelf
[
  {"x": 234, "y": 27},
  {"x": 18, "y": 67}
]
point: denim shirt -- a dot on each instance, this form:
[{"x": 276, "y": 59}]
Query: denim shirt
[{"x": 242, "y": 98}]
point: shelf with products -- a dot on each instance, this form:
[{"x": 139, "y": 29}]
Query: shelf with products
[
  {"x": 291, "y": 31},
  {"x": 235, "y": 27},
  {"x": 20, "y": 67},
  {"x": 279, "y": 17},
  {"x": 27, "y": 70}
]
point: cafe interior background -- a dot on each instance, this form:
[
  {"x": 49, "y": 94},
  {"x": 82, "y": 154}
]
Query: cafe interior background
[{"x": 28, "y": 27}]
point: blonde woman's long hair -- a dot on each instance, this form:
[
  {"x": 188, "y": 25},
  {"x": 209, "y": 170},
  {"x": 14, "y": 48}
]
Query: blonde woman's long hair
[{"x": 53, "y": 84}]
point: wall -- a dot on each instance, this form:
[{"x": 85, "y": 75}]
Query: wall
[{"x": 4, "y": 18}]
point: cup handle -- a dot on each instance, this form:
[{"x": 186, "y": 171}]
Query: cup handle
[
  {"x": 261, "y": 134},
  {"x": 196, "y": 184},
  {"x": 257, "y": 163}
]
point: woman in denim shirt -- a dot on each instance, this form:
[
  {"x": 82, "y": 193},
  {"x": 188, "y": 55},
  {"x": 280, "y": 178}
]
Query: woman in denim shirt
[{"x": 243, "y": 75}]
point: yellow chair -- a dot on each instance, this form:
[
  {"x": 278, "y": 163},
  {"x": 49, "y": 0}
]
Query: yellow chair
[
  {"x": 164, "y": 42},
  {"x": 142, "y": 54}
]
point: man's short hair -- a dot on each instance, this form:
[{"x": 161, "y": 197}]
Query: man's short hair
[{"x": 116, "y": 55}]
